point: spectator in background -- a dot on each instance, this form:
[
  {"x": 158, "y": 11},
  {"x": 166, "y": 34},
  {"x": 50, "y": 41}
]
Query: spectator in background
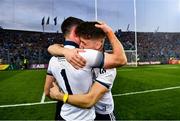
[{"x": 25, "y": 63}]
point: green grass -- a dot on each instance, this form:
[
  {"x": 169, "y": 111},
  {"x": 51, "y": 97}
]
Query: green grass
[
  {"x": 154, "y": 105},
  {"x": 36, "y": 112},
  {"x": 27, "y": 87},
  {"x": 21, "y": 86}
]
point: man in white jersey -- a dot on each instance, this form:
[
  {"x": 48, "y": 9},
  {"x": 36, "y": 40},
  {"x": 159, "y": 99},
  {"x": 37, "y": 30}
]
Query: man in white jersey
[
  {"x": 104, "y": 80},
  {"x": 111, "y": 63},
  {"x": 68, "y": 25},
  {"x": 103, "y": 101},
  {"x": 68, "y": 78},
  {"x": 62, "y": 71}
]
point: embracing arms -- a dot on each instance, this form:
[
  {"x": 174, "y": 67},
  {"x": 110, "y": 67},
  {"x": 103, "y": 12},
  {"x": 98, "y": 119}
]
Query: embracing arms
[
  {"x": 116, "y": 59},
  {"x": 81, "y": 100}
]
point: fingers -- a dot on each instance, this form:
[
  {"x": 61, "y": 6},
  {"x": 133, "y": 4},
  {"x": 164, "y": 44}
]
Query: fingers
[
  {"x": 51, "y": 90},
  {"x": 56, "y": 94},
  {"x": 54, "y": 91},
  {"x": 79, "y": 58},
  {"x": 100, "y": 24},
  {"x": 61, "y": 91},
  {"x": 76, "y": 64},
  {"x": 55, "y": 85},
  {"x": 76, "y": 60},
  {"x": 104, "y": 27}
]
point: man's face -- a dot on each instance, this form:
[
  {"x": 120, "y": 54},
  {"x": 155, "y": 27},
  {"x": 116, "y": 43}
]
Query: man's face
[{"x": 91, "y": 44}]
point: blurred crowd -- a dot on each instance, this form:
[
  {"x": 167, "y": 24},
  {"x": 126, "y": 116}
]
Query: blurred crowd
[
  {"x": 158, "y": 46},
  {"x": 15, "y": 46},
  {"x": 152, "y": 46}
]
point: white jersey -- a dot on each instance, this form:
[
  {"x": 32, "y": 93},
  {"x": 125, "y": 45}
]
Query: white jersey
[
  {"x": 105, "y": 77},
  {"x": 74, "y": 81}
]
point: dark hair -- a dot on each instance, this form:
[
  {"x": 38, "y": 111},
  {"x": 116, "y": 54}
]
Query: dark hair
[
  {"x": 87, "y": 30},
  {"x": 69, "y": 23}
]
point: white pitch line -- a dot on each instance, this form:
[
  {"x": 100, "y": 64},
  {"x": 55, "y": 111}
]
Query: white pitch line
[
  {"x": 43, "y": 98},
  {"x": 26, "y": 104},
  {"x": 132, "y": 69},
  {"x": 146, "y": 91},
  {"x": 115, "y": 95}
]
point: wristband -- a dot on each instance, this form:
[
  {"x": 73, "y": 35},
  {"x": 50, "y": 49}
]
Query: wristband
[{"x": 65, "y": 98}]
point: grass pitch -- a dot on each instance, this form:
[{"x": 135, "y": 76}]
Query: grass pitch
[{"x": 26, "y": 86}]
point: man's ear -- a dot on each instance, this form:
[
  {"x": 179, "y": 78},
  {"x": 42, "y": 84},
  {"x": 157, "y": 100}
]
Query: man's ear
[
  {"x": 73, "y": 30},
  {"x": 76, "y": 38},
  {"x": 99, "y": 45}
]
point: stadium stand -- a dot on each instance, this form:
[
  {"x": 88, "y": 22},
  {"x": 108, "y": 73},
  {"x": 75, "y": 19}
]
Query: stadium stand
[
  {"x": 151, "y": 46},
  {"x": 16, "y": 45},
  {"x": 158, "y": 46}
]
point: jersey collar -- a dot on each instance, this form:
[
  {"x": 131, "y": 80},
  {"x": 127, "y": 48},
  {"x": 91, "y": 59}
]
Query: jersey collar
[{"x": 67, "y": 42}]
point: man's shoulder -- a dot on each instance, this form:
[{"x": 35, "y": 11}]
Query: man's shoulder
[
  {"x": 91, "y": 50},
  {"x": 89, "y": 53},
  {"x": 53, "y": 58},
  {"x": 103, "y": 71},
  {"x": 93, "y": 58},
  {"x": 56, "y": 58}
]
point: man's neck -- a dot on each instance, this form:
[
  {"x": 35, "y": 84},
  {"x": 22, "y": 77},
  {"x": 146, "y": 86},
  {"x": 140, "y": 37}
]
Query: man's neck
[
  {"x": 70, "y": 42},
  {"x": 71, "y": 39}
]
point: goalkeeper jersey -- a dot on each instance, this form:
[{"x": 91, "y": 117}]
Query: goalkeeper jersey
[{"x": 74, "y": 81}]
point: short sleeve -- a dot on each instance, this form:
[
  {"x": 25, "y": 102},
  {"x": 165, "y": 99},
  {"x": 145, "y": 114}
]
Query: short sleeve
[
  {"x": 94, "y": 58},
  {"x": 49, "y": 70},
  {"x": 106, "y": 77}
]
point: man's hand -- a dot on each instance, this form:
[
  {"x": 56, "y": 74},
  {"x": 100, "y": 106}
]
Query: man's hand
[
  {"x": 118, "y": 57},
  {"x": 55, "y": 92},
  {"x": 104, "y": 27},
  {"x": 73, "y": 57}
]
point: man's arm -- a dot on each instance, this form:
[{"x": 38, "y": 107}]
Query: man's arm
[
  {"x": 48, "y": 84},
  {"x": 57, "y": 50},
  {"x": 81, "y": 100},
  {"x": 117, "y": 58},
  {"x": 71, "y": 55}
]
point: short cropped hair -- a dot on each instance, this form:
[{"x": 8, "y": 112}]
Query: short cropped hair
[
  {"x": 87, "y": 30},
  {"x": 68, "y": 23}
]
